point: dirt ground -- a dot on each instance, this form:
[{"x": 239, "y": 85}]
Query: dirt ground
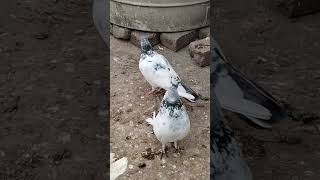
[
  {"x": 283, "y": 56},
  {"x": 52, "y": 91},
  {"x": 131, "y": 136}
]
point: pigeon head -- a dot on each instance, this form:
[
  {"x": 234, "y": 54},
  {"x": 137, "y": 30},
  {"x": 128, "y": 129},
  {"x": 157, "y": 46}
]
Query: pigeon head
[
  {"x": 172, "y": 96},
  {"x": 146, "y": 47}
]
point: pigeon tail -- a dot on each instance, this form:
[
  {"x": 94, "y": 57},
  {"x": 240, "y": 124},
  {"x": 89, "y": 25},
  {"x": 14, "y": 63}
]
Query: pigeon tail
[
  {"x": 186, "y": 92},
  {"x": 245, "y": 107},
  {"x": 260, "y": 123},
  {"x": 257, "y": 94},
  {"x": 243, "y": 92},
  {"x": 189, "y": 97}
]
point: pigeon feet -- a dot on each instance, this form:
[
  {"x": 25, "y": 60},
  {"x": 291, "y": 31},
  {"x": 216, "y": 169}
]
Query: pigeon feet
[
  {"x": 177, "y": 148},
  {"x": 163, "y": 151},
  {"x": 153, "y": 92}
]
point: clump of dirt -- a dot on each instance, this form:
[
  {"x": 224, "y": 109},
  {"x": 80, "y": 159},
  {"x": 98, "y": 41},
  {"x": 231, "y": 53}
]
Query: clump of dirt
[{"x": 148, "y": 154}]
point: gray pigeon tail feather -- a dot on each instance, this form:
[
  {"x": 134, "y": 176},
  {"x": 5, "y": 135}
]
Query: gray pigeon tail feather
[{"x": 238, "y": 94}]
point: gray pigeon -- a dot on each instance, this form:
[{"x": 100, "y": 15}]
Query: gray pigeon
[
  {"x": 172, "y": 123},
  {"x": 238, "y": 94},
  {"x": 159, "y": 73},
  {"x": 225, "y": 161},
  {"x": 100, "y": 18}
]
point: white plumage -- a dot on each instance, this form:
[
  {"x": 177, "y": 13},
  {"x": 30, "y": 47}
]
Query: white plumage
[
  {"x": 159, "y": 73},
  {"x": 171, "y": 124}
]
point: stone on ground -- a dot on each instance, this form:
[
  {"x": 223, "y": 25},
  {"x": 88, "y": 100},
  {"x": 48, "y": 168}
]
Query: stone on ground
[
  {"x": 120, "y": 32},
  {"x": 200, "y": 51},
  {"x": 179, "y": 40}
]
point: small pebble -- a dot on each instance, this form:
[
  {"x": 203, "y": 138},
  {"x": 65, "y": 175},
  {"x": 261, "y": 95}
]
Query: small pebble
[
  {"x": 148, "y": 154},
  {"x": 142, "y": 165}
]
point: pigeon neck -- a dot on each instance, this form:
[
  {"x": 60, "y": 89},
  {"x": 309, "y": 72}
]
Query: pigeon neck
[
  {"x": 147, "y": 52},
  {"x": 146, "y": 47},
  {"x": 171, "y": 102},
  {"x": 172, "y": 96}
]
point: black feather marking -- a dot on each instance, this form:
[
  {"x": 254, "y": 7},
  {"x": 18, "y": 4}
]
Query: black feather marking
[
  {"x": 158, "y": 66},
  {"x": 172, "y": 107},
  {"x": 190, "y": 91}
]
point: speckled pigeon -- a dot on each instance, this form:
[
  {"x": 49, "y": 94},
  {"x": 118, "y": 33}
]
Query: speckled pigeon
[
  {"x": 159, "y": 73},
  {"x": 171, "y": 124}
]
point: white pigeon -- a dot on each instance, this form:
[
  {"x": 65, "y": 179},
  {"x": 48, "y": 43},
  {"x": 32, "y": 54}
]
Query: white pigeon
[
  {"x": 159, "y": 73},
  {"x": 172, "y": 122}
]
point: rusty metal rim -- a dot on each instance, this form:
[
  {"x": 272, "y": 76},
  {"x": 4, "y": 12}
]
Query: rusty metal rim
[{"x": 161, "y": 5}]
